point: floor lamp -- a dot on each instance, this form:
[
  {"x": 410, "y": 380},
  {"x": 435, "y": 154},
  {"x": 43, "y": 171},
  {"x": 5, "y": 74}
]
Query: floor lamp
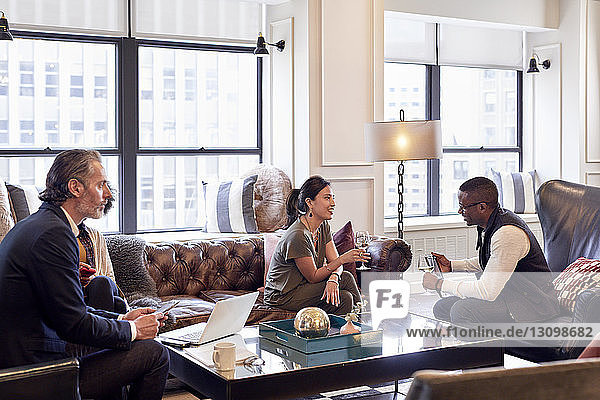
[{"x": 402, "y": 141}]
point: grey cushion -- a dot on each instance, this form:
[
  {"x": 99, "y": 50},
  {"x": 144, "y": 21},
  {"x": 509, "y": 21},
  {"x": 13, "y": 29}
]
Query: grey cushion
[
  {"x": 127, "y": 256},
  {"x": 24, "y": 200}
]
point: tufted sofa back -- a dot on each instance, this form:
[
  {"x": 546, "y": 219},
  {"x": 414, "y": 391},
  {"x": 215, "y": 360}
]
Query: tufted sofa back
[{"x": 192, "y": 267}]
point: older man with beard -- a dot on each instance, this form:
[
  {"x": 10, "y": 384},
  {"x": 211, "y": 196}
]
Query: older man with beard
[{"x": 41, "y": 299}]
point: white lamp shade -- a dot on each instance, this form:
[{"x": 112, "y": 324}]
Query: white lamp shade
[{"x": 403, "y": 140}]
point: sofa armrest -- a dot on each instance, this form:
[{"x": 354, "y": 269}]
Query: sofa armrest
[
  {"x": 587, "y": 306},
  {"x": 389, "y": 255},
  {"x": 49, "y": 380},
  {"x": 587, "y": 309}
]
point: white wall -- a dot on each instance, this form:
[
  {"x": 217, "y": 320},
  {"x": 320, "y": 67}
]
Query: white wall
[
  {"x": 578, "y": 135},
  {"x": 338, "y": 85},
  {"x": 529, "y": 14}
]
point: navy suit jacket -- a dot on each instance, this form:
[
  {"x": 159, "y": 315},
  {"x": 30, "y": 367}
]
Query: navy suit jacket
[{"x": 41, "y": 300}]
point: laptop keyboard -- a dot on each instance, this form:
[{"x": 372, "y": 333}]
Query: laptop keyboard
[{"x": 192, "y": 336}]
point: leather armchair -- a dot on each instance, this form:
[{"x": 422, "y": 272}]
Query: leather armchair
[
  {"x": 557, "y": 381},
  {"x": 570, "y": 218},
  {"x": 569, "y": 214},
  {"x": 49, "y": 380}
]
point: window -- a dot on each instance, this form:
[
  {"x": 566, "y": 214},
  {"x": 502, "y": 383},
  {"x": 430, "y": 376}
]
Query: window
[
  {"x": 478, "y": 109},
  {"x": 3, "y": 77},
  {"x": 77, "y": 84},
  {"x": 26, "y": 132},
  {"x": 52, "y": 132},
  {"x": 461, "y": 169},
  {"x": 100, "y": 90},
  {"x": 52, "y": 79},
  {"x": 208, "y": 127},
  {"x": 208, "y": 101},
  {"x": 3, "y": 131},
  {"x": 400, "y": 77},
  {"x": 26, "y": 80}
]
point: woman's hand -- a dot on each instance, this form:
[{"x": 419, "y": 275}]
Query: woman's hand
[
  {"x": 86, "y": 273},
  {"x": 332, "y": 292},
  {"x": 355, "y": 255}
]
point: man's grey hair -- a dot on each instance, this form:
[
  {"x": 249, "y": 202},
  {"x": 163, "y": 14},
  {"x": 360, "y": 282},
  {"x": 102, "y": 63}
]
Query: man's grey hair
[{"x": 69, "y": 164}]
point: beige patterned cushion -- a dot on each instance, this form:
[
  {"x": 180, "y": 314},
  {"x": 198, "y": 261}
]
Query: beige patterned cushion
[
  {"x": 6, "y": 219},
  {"x": 270, "y": 193}
]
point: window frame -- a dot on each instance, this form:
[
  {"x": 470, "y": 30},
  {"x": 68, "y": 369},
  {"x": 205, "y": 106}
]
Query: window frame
[
  {"x": 433, "y": 112},
  {"x": 127, "y": 146}
]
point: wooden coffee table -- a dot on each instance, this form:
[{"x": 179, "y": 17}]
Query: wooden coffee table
[{"x": 282, "y": 376}]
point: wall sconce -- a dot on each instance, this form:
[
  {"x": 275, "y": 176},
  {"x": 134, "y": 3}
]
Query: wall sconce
[
  {"x": 534, "y": 61},
  {"x": 261, "y": 45},
  {"x": 4, "y": 32}
]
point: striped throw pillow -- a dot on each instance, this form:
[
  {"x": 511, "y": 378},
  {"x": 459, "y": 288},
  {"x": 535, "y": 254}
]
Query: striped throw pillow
[
  {"x": 516, "y": 191},
  {"x": 230, "y": 206}
]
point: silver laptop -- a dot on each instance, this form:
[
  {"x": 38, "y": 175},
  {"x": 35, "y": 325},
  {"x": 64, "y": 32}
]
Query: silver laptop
[{"x": 228, "y": 317}]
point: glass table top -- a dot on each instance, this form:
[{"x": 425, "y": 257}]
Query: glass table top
[{"x": 399, "y": 337}]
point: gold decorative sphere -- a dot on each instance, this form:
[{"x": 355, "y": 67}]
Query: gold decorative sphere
[{"x": 312, "y": 322}]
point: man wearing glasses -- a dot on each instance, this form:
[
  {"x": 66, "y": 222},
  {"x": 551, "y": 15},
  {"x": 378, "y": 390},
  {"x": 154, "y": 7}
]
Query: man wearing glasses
[{"x": 513, "y": 279}]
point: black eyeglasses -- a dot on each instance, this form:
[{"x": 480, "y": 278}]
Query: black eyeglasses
[{"x": 462, "y": 208}]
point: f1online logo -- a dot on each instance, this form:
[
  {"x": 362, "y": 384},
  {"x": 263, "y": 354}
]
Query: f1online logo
[{"x": 389, "y": 300}]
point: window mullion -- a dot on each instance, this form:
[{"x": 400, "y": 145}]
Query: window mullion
[
  {"x": 433, "y": 166},
  {"x": 520, "y": 117},
  {"x": 128, "y": 131}
]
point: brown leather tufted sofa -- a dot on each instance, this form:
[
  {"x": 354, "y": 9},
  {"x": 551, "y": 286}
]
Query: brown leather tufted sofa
[{"x": 201, "y": 272}]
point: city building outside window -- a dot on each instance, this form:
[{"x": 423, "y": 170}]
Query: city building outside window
[
  {"x": 204, "y": 124},
  {"x": 478, "y": 110}
]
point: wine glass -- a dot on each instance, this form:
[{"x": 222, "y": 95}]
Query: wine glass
[
  {"x": 425, "y": 265},
  {"x": 362, "y": 239}
]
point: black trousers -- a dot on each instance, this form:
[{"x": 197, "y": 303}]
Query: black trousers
[
  {"x": 102, "y": 294},
  {"x": 104, "y": 374}
]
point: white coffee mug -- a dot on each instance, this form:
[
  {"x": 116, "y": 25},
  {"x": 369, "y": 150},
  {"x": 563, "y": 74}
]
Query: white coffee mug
[{"x": 224, "y": 356}]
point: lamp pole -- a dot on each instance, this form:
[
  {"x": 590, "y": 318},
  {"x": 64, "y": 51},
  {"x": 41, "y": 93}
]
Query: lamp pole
[{"x": 401, "y": 199}]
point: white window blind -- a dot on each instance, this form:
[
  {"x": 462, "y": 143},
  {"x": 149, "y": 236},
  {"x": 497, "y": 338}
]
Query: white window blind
[
  {"x": 104, "y": 17},
  {"x": 198, "y": 19},
  {"x": 408, "y": 40},
  {"x": 480, "y": 47}
]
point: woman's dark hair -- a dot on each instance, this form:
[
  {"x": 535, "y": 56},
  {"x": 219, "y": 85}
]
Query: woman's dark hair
[
  {"x": 69, "y": 164},
  {"x": 296, "y": 201}
]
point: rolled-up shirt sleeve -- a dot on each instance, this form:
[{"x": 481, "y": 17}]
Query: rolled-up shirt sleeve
[
  {"x": 508, "y": 245},
  {"x": 468, "y": 265}
]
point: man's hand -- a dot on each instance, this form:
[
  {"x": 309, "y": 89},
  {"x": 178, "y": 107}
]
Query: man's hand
[
  {"x": 331, "y": 294},
  {"x": 429, "y": 280},
  {"x": 147, "y": 325},
  {"x": 443, "y": 262},
  {"x": 86, "y": 273},
  {"x": 132, "y": 315},
  {"x": 136, "y": 313}
]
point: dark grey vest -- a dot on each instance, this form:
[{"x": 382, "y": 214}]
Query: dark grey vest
[{"x": 528, "y": 293}]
